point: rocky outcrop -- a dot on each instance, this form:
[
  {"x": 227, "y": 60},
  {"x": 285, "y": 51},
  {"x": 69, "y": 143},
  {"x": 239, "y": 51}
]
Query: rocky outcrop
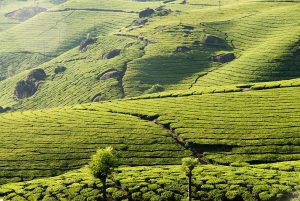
[
  {"x": 37, "y": 75},
  {"x": 223, "y": 58},
  {"x": 113, "y": 53},
  {"x": 139, "y": 22},
  {"x": 84, "y": 43},
  {"x": 4, "y": 109},
  {"x": 60, "y": 69},
  {"x": 108, "y": 75},
  {"x": 212, "y": 40},
  {"x": 25, "y": 89},
  {"x": 28, "y": 87},
  {"x": 187, "y": 27},
  {"x": 148, "y": 12},
  {"x": 161, "y": 11}
]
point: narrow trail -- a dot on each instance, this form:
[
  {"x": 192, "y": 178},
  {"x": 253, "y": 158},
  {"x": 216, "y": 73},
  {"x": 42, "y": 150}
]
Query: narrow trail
[
  {"x": 171, "y": 133},
  {"x": 180, "y": 142}
]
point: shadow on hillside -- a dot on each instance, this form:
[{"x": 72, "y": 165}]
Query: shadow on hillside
[
  {"x": 201, "y": 148},
  {"x": 172, "y": 69}
]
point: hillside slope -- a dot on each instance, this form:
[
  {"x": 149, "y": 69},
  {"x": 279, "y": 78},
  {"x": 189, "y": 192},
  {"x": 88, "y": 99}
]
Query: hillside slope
[
  {"x": 170, "y": 52},
  {"x": 243, "y": 126},
  {"x": 61, "y": 28},
  {"x": 269, "y": 182}
]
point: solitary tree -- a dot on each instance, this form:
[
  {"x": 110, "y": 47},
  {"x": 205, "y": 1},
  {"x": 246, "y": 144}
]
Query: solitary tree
[
  {"x": 102, "y": 164},
  {"x": 188, "y": 164}
]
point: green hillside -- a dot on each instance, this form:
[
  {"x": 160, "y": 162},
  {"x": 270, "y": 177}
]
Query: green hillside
[
  {"x": 27, "y": 45},
  {"x": 165, "y": 183},
  {"x": 253, "y": 126},
  {"x": 172, "y": 53},
  {"x": 82, "y": 73},
  {"x": 8, "y": 6},
  {"x": 158, "y": 81}
]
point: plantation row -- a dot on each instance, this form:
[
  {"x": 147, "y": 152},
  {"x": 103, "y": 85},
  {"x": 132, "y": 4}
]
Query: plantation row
[
  {"x": 253, "y": 126},
  {"x": 44, "y": 143},
  {"x": 64, "y": 30},
  {"x": 174, "y": 56},
  {"x": 165, "y": 183},
  {"x": 28, "y": 43},
  {"x": 265, "y": 44},
  {"x": 13, "y": 5},
  {"x": 176, "y": 69},
  {"x": 79, "y": 83}
]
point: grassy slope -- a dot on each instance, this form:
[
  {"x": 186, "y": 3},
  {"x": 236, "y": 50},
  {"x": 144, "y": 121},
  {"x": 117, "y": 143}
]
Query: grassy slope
[
  {"x": 264, "y": 44},
  {"x": 249, "y": 124},
  {"x": 46, "y": 143},
  {"x": 12, "y": 5},
  {"x": 253, "y": 126},
  {"x": 164, "y": 183},
  {"x": 28, "y": 44},
  {"x": 159, "y": 63},
  {"x": 82, "y": 72},
  {"x": 163, "y": 65}
]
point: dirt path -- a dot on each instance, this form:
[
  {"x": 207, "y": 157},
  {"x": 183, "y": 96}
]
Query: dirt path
[{"x": 171, "y": 133}]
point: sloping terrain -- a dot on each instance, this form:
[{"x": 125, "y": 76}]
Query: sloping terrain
[
  {"x": 266, "y": 45},
  {"x": 158, "y": 81},
  {"x": 251, "y": 126},
  {"x": 165, "y": 183},
  {"x": 173, "y": 52},
  {"x": 83, "y": 72},
  {"x": 60, "y": 29},
  {"x": 19, "y": 8}
]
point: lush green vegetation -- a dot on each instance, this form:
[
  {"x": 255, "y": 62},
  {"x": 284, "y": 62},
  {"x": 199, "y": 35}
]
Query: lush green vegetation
[
  {"x": 166, "y": 183},
  {"x": 7, "y": 6},
  {"x": 44, "y": 143},
  {"x": 82, "y": 71},
  {"x": 244, "y": 128},
  {"x": 28, "y": 43},
  {"x": 264, "y": 48},
  {"x": 155, "y": 89}
]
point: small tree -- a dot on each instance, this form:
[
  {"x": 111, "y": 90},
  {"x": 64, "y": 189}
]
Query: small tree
[
  {"x": 188, "y": 164},
  {"x": 102, "y": 164}
]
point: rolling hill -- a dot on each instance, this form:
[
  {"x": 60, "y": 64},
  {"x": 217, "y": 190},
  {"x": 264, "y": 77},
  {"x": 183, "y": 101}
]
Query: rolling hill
[{"x": 158, "y": 81}]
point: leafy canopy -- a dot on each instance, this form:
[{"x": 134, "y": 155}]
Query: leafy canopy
[
  {"x": 188, "y": 164},
  {"x": 103, "y": 163}
]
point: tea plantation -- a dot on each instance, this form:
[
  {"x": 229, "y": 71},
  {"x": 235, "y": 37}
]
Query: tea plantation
[
  {"x": 158, "y": 81},
  {"x": 165, "y": 183}
]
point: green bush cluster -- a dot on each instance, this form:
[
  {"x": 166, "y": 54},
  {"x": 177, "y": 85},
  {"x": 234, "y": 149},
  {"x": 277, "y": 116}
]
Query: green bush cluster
[{"x": 166, "y": 183}]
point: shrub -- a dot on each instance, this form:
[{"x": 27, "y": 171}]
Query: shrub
[
  {"x": 118, "y": 195},
  {"x": 136, "y": 195},
  {"x": 148, "y": 195},
  {"x": 167, "y": 195}
]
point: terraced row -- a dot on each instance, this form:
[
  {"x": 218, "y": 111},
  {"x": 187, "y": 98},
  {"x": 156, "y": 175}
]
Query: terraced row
[
  {"x": 44, "y": 143},
  {"x": 266, "y": 45},
  {"x": 28, "y": 45},
  {"x": 80, "y": 82},
  {"x": 253, "y": 126},
  {"x": 177, "y": 55},
  {"x": 165, "y": 183}
]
